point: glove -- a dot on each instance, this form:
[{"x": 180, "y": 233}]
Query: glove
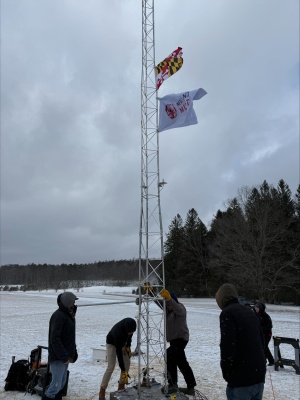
[
  {"x": 127, "y": 351},
  {"x": 147, "y": 287},
  {"x": 124, "y": 377},
  {"x": 75, "y": 357},
  {"x": 165, "y": 294}
]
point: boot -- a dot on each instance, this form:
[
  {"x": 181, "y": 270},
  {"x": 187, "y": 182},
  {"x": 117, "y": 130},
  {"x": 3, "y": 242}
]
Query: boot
[
  {"x": 121, "y": 386},
  {"x": 171, "y": 388},
  {"x": 189, "y": 390},
  {"x": 102, "y": 393},
  {"x": 46, "y": 398}
]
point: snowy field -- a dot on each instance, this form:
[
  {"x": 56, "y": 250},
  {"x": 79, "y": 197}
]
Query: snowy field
[{"x": 25, "y": 317}]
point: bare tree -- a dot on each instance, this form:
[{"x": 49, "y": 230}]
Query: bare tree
[{"x": 255, "y": 244}]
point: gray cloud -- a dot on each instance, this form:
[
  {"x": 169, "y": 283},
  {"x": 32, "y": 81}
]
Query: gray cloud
[{"x": 70, "y": 118}]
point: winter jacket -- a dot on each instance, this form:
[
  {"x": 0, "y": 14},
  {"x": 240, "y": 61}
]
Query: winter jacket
[
  {"x": 264, "y": 319},
  {"x": 242, "y": 343},
  {"x": 61, "y": 342},
  {"x": 118, "y": 337},
  {"x": 176, "y": 325}
]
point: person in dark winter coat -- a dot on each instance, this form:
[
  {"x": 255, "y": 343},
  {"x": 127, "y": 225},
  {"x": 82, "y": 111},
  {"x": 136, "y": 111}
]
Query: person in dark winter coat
[
  {"x": 242, "y": 347},
  {"x": 61, "y": 344},
  {"x": 266, "y": 325},
  {"x": 118, "y": 342},
  {"x": 177, "y": 334}
]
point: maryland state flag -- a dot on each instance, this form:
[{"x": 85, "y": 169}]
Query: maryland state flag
[{"x": 169, "y": 66}]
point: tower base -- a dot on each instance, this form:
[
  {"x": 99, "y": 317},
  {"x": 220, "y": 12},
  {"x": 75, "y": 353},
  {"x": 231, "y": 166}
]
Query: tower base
[{"x": 154, "y": 393}]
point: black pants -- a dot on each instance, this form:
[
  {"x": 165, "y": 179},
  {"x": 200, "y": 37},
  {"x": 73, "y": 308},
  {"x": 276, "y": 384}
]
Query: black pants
[
  {"x": 176, "y": 358},
  {"x": 268, "y": 354}
]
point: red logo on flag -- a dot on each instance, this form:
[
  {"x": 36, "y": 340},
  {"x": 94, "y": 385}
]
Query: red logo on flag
[{"x": 171, "y": 111}]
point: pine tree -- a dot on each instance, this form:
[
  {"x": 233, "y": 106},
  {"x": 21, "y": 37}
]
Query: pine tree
[
  {"x": 194, "y": 271},
  {"x": 173, "y": 247},
  {"x": 254, "y": 244}
]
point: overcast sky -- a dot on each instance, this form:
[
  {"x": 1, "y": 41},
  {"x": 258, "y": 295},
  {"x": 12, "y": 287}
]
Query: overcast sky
[{"x": 70, "y": 117}]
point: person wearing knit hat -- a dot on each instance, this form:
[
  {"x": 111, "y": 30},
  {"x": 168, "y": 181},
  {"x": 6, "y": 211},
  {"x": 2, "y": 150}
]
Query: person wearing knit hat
[
  {"x": 242, "y": 347},
  {"x": 266, "y": 325},
  {"x": 61, "y": 345},
  {"x": 118, "y": 343},
  {"x": 177, "y": 334}
]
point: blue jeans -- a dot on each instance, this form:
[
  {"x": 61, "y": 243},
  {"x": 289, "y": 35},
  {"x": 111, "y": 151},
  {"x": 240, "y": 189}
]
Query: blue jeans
[
  {"x": 59, "y": 377},
  {"x": 253, "y": 392}
]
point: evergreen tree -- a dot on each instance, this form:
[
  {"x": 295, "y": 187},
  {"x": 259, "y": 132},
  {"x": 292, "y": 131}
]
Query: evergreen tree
[
  {"x": 173, "y": 247},
  {"x": 194, "y": 270},
  {"x": 228, "y": 245},
  {"x": 254, "y": 242}
]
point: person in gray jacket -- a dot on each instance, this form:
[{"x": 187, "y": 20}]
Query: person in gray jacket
[{"x": 177, "y": 334}]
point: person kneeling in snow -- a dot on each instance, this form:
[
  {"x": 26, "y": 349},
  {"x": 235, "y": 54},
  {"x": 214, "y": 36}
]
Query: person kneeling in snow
[
  {"x": 61, "y": 344},
  {"x": 118, "y": 342}
]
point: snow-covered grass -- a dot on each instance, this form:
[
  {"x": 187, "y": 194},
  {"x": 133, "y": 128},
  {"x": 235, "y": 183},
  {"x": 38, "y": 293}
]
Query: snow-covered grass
[{"x": 25, "y": 317}]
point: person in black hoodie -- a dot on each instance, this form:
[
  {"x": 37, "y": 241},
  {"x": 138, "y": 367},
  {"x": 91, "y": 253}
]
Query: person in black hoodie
[
  {"x": 242, "y": 347},
  {"x": 266, "y": 325},
  {"x": 61, "y": 344},
  {"x": 118, "y": 342}
]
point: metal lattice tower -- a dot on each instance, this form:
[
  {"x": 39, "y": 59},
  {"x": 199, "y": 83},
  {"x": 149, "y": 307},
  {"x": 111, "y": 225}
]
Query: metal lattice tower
[{"x": 151, "y": 322}]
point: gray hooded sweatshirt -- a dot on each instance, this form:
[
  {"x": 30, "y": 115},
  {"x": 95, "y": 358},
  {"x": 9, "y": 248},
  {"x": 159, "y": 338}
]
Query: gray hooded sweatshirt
[{"x": 176, "y": 324}]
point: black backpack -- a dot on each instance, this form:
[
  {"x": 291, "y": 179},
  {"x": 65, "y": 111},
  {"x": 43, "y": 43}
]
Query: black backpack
[{"x": 18, "y": 376}]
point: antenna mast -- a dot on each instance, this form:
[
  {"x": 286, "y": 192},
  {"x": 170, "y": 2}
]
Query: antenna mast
[{"x": 151, "y": 321}]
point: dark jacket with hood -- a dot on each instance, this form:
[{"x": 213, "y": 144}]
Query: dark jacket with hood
[
  {"x": 118, "y": 337},
  {"x": 264, "y": 319},
  {"x": 61, "y": 343},
  {"x": 243, "y": 361}
]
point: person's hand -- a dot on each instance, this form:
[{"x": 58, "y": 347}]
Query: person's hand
[
  {"x": 165, "y": 294},
  {"x": 124, "y": 377},
  {"x": 74, "y": 359},
  {"x": 148, "y": 288},
  {"x": 127, "y": 351}
]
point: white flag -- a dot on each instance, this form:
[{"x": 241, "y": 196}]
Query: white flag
[{"x": 176, "y": 110}]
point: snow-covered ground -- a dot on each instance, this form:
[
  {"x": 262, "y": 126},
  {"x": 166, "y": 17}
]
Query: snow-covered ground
[{"x": 25, "y": 317}]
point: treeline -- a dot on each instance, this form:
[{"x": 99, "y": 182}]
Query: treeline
[
  {"x": 48, "y": 276},
  {"x": 253, "y": 244}
]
